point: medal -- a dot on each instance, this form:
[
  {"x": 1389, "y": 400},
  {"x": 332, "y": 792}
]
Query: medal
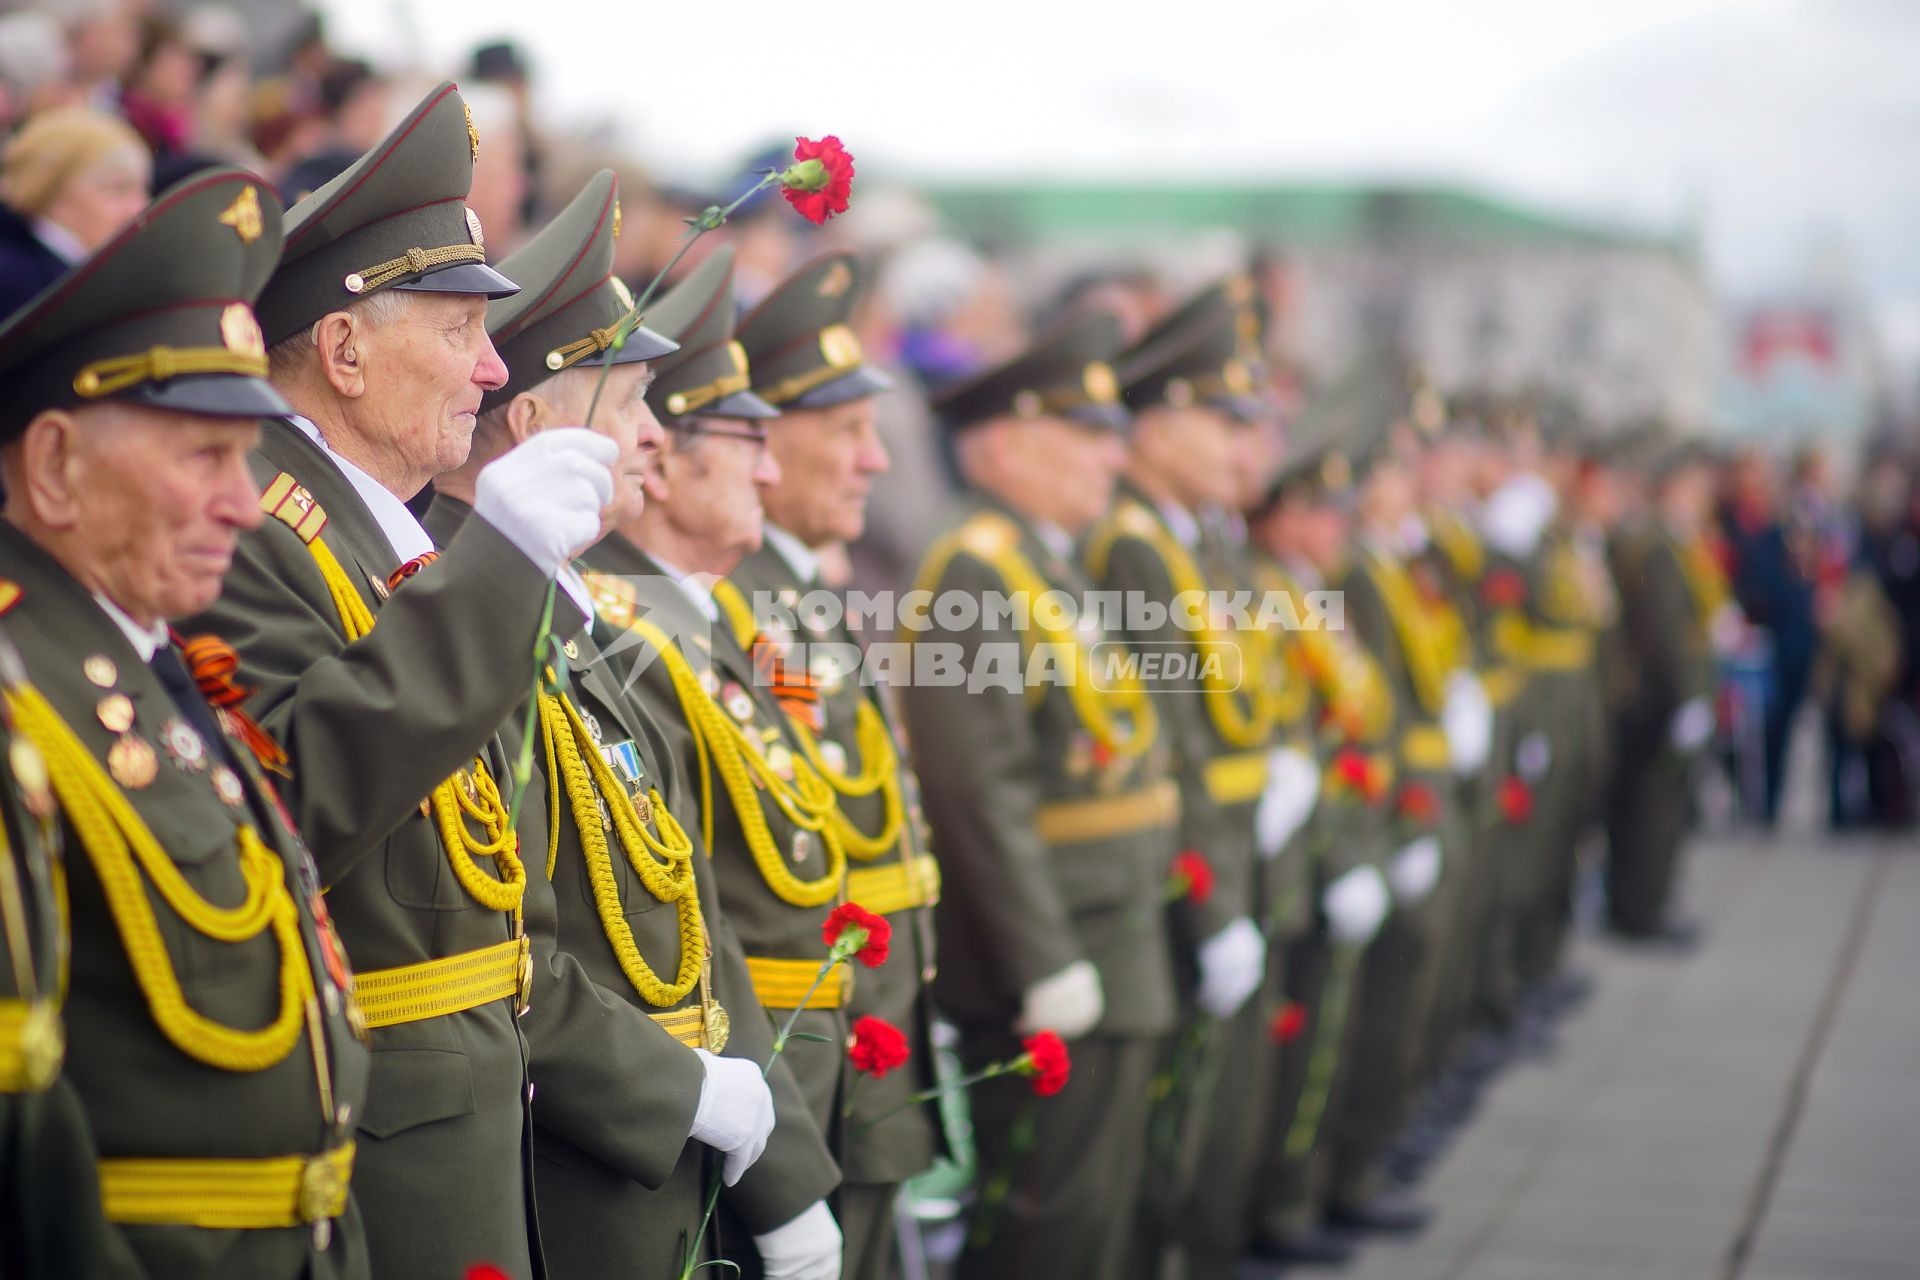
[
  {"x": 824, "y": 670},
  {"x": 738, "y": 702},
  {"x": 710, "y": 682},
  {"x": 643, "y": 807},
  {"x": 115, "y": 712},
  {"x": 802, "y": 846},
  {"x": 186, "y": 748},
  {"x": 132, "y": 763},
  {"x": 99, "y": 670},
  {"x": 572, "y": 649},
  {"x": 30, "y": 772},
  {"x": 226, "y": 785},
  {"x": 593, "y": 725},
  {"x": 780, "y": 760},
  {"x": 834, "y": 756}
]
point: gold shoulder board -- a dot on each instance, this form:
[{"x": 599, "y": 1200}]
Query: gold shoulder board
[{"x": 288, "y": 501}]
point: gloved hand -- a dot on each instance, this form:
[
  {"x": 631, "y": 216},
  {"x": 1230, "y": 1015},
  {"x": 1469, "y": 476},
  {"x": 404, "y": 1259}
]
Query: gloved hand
[
  {"x": 735, "y": 1115},
  {"x": 1232, "y": 963},
  {"x": 1692, "y": 724},
  {"x": 1415, "y": 870},
  {"x": 1292, "y": 791},
  {"x": 1467, "y": 720},
  {"x": 808, "y": 1248},
  {"x": 1356, "y": 905},
  {"x": 545, "y": 494},
  {"x": 1069, "y": 1003},
  {"x": 1516, "y": 514}
]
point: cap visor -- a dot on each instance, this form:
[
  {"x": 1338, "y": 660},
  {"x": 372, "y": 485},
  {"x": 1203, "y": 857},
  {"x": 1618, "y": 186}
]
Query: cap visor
[
  {"x": 220, "y": 395},
  {"x": 463, "y": 277},
  {"x": 1243, "y": 408},
  {"x": 857, "y": 385},
  {"x": 741, "y": 404},
  {"x": 642, "y": 344},
  {"x": 1100, "y": 415}
]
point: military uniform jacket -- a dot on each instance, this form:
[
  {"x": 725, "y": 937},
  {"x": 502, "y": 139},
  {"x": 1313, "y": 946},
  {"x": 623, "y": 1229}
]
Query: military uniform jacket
[
  {"x": 901, "y": 882},
  {"x": 1052, "y": 847},
  {"x": 1667, "y": 634},
  {"x": 371, "y": 728},
  {"x": 746, "y": 918},
  {"x": 149, "y": 1093}
]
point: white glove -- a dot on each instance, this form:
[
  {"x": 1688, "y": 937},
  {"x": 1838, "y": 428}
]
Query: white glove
[
  {"x": 1467, "y": 720},
  {"x": 1292, "y": 791},
  {"x": 1232, "y": 963},
  {"x": 1415, "y": 870},
  {"x": 1069, "y": 1003},
  {"x": 808, "y": 1248},
  {"x": 545, "y": 494},
  {"x": 735, "y": 1115},
  {"x": 1692, "y": 724},
  {"x": 1533, "y": 756},
  {"x": 1356, "y": 905},
  {"x": 1516, "y": 514}
]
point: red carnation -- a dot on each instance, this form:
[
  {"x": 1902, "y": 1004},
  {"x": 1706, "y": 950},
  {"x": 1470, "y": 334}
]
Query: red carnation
[
  {"x": 856, "y": 933},
  {"x": 1516, "y": 800},
  {"x": 1046, "y": 1061},
  {"x": 486, "y": 1271},
  {"x": 1192, "y": 877},
  {"x": 1418, "y": 804},
  {"x": 1288, "y": 1023},
  {"x": 1504, "y": 589},
  {"x": 1351, "y": 768},
  {"x": 820, "y": 179},
  {"x": 877, "y": 1046}
]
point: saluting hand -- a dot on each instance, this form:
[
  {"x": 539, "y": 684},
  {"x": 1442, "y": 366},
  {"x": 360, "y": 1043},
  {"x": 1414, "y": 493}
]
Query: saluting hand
[{"x": 545, "y": 495}]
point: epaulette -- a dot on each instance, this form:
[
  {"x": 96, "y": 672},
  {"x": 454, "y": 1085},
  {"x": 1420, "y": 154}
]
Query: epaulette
[
  {"x": 289, "y": 502},
  {"x": 1136, "y": 520},
  {"x": 10, "y": 594},
  {"x": 614, "y": 598},
  {"x": 989, "y": 535}
]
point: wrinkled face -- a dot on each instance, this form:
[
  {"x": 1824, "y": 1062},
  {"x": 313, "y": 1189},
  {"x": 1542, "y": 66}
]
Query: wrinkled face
[
  {"x": 146, "y": 504},
  {"x": 712, "y": 481},
  {"x": 624, "y": 417},
  {"x": 103, "y": 197},
  {"x": 1069, "y": 468},
  {"x": 426, "y": 370},
  {"x": 1195, "y": 452},
  {"x": 828, "y": 459}
]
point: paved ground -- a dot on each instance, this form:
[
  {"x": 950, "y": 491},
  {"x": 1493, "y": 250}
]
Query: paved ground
[{"x": 1747, "y": 1112}]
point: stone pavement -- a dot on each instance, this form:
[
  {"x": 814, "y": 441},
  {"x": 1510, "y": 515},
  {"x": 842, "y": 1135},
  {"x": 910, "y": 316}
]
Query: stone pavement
[{"x": 1746, "y": 1112}]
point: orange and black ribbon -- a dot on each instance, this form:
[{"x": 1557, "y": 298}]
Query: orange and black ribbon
[
  {"x": 793, "y": 688},
  {"x": 410, "y": 568},
  {"x": 212, "y": 663}
]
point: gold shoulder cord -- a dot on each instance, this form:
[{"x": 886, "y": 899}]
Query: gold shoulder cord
[
  {"x": 1349, "y": 680},
  {"x": 121, "y": 847},
  {"x": 1706, "y": 581},
  {"x": 722, "y": 748},
  {"x": 1244, "y": 718},
  {"x": 878, "y": 767},
  {"x": 1127, "y": 695},
  {"x": 476, "y": 795},
  {"x": 1424, "y": 643},
  {"x": 664, "y": 864}
]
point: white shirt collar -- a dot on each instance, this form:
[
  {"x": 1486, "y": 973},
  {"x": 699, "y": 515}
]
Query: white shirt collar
[
  {"x": 1305, "y": 573},
  {"x": 799, "y": 556},
  {"x": 1179, "y": 520},
  {"x": 59, "y": 239},
  {"x": 697, "y": 587},
  {"x": 1054, "y": 538},
  {"x": 146, "y": 641},
  {"x": 404, "y": 532}
]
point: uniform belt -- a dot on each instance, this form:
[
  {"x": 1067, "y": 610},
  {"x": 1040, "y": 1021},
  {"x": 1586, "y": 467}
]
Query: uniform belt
[
  {"x": 781, "y": 984},
  {"x": 1104, "y": 817},
  {"x": 1503, "y": 684},
  {"x": 1543, "y": 648},
  {"x": 1237, "y": 778},
  {"x": 1424, "y": 747},
  {"x": 274, "y": 1191},
  {"x": 31, "y": 1045},
  {"x": 686, "y": 1025},
  {"x": 908, "y": 883},
  {"x": 435, "y": 988}
]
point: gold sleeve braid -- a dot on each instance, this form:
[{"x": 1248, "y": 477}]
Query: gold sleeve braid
[{"x": 121, "y": 848}]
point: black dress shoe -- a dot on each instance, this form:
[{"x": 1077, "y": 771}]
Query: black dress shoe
[
  {"x": 1313, "y": 1248},
  {"x": 1387, "y": 1214}
]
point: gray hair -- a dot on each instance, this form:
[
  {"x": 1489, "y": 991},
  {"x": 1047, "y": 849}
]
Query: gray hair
[{"x": 287, "y": 356}]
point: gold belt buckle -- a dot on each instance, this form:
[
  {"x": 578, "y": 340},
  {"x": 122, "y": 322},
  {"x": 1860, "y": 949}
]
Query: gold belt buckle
[{"x": 322, "y": 1190}]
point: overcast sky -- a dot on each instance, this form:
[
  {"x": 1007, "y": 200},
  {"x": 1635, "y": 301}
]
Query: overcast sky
[{"x": 1786, "y": 131}]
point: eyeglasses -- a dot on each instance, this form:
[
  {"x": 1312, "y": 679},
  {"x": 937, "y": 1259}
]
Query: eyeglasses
[{"x": 756, "y": 438}]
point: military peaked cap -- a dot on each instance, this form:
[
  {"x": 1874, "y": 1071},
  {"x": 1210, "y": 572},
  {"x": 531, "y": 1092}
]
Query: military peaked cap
[
  {"x": 396, "y": 218},
  {"x": 708, "y": 376},
  {"x": 1207, "y": 352},
  {"x": 160, "y": 315},
  {"x": 1066, "y": 373},
  {"x": 803, "y": 352},
  {"x": 570, "y": 301}
]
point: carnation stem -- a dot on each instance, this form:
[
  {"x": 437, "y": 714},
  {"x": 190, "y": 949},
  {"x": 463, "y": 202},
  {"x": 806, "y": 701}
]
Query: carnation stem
[
  {"x": 924, "y": 1096},
  {"x": 523, "y": 765}
]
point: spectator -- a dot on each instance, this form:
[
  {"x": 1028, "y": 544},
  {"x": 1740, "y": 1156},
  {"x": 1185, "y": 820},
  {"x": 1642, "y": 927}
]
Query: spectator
[
  {"x": 33, "y": 67},
  {"x": 351, "y": 116},
  {"x": 103, "y": 41},
  {"x": 71, "y": 179}
]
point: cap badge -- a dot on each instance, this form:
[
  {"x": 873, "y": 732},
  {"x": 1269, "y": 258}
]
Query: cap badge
[
  {"x": 616, "y": 219},
  {"x": 621, "y": 291},
  {"x": 473, "y": 134},
  {"x": 1101, "y": 386},
  {"x": 243, "y": 215},
  {"x": 840, "y": 346},
  {"x": 473, "y": 229},
  {"x": 838, "y": 280},
  {"x": 240, "y": 331}
]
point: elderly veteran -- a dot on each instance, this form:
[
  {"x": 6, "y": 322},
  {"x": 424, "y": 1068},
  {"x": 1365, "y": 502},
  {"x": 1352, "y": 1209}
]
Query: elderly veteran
[
  {"x": 806, "y": 362},
  {"x": 776, "y": 856},
  {"x": 1056, "y": 812},
  {"x": 377, "y": 320},
  {"x": 626, "y": 1027},
  {"x": 207, "y": 1006}
]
